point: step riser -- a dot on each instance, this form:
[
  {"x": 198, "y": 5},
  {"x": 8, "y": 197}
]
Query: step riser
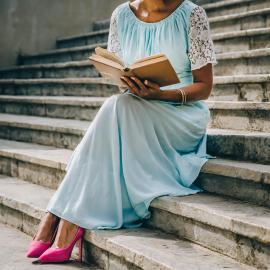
[
  {"x": 257, "y": 193},
  {"x": 242, "y": 43},
  {"x": 59, "y": 89},
  {"x": 240, "y": 148},
  {"x": 238, "y": 8},
  {"x": 242, "y": 23},
  {"x": 50, "y": 110},
  {"x": 236, "y": 147},
  {"x": 82, "y": 41},
  {"x": 240, "y": 66},
  {"x": 38, "y": 73},
  {"x": 241, "y": 92},
  {"x": 39, "y": 174},
  {"x": 68, "y": 56},
  {"x": 235, "y": 246},
  {"x": 101, "y": 25},
  {"x": 253, "y": 120},
  {"x": 50, "y": 138}
]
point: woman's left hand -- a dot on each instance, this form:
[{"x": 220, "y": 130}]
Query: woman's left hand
[{"x": 147, "y": 90}]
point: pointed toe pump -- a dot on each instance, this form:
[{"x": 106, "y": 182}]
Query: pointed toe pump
[
  {"x": 55, "y": 254},
  {"x": 37, "y": 247}
]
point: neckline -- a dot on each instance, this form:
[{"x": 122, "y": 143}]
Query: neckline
[{"x": 160, "y": 21}]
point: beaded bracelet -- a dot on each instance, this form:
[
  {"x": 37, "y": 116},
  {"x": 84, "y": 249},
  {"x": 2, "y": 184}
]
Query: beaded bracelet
[{"x": 184, "y": 95}]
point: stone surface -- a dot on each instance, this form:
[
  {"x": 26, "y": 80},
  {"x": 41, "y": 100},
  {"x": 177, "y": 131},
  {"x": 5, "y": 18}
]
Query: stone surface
[
  {"x": 144, "y": 248},
  {"x": 13, "y": 246}
]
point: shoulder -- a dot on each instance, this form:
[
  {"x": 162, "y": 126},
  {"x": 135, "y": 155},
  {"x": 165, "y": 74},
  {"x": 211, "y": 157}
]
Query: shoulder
[
  {"x": 197, "y": 14},
  {"x": 118, "y": 9}
]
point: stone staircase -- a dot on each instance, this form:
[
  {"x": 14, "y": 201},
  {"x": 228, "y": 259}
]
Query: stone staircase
[{"x": 49, "y": 99}]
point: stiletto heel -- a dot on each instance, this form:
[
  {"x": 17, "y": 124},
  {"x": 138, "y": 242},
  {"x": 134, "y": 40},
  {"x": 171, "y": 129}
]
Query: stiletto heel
[
  {"x": 37, "y": 247},
  {"x": 80, "y": 247},
  {"x": 63, "y": 254}
]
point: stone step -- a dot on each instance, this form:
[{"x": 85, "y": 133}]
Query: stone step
[
  {"x": 242, "y": 40},
  {"x": 259, "y": 18},
  {"x": 233, "y": 63},
  {"x": 58, "y": 87},
  {"x": 228, "y": 7},
  {"x": 80, "y": 108},
  {"x": 13, "y": 255},
  {"x": 66, "y": 133},
  {"x": 90, "y": 38},
  {"x": 252, "y": 87},
  {"x": 45, "y": 165},
  {"x": 243, "y": 62},
  {"x": 224, "y": 42},
  {"x": 233, "y": 21},
  {"x": 240, "y": 58},
  {"x": 60, "y": 55},
  {"x": 73, "y": 69},
  {"x": 147, "y": 248},
  {"x": 252, "y": 116}
]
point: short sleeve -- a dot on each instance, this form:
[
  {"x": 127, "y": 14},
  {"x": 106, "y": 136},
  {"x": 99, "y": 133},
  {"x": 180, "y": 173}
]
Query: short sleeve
[
  {"x": 113, "y": 44},
  {"x": 201, "y": 47}
]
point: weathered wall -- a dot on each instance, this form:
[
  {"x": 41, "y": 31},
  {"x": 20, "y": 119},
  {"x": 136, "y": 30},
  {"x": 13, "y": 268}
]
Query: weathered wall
[{"x": 33, "y": 25}]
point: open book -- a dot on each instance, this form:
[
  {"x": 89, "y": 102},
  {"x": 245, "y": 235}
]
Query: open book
[{"x": 156, "y": 68}]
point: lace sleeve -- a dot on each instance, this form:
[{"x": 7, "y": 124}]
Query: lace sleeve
[
  {"x": 113, "y": 44},
  {"x": 201, "y": 50}
]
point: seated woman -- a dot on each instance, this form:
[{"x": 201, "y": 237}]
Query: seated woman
[{"x": 147, "y": 142}]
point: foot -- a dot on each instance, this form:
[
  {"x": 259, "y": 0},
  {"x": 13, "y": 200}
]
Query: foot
[
  {"x": 47, "y": 227},
  {"x": 65, "y": 234}
]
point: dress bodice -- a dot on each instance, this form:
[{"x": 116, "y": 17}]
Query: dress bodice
[{"x": 184, "y": 36}]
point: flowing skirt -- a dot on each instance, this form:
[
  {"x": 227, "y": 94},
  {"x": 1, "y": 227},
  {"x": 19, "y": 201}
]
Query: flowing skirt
[{"x": 133, "y": 151}]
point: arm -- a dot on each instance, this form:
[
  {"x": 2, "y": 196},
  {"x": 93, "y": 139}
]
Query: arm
[{"x": 202, "y": 57}]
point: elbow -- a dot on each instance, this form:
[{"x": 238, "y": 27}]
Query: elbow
[{"x": 207, "y": 91}]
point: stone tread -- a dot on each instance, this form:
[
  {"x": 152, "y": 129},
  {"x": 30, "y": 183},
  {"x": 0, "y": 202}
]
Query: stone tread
[
  {"x": 221, "y": 4},
  {"x": 71, "y": 126},
  {"x": 146, "y": 248},
  {"x": 57, "y": 158},
  {"x": 98, "y": 101},
  {"x": 79, "y": 127},
  {"x": 13, "y": 255},
  {"x": 55, "y": 81},
  {"x": 241, "y": 33}
]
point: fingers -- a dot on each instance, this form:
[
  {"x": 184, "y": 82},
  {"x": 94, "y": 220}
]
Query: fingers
[
  {"x": 151, "y": 84},
  {"x": 134, "y": 89},
  {"x": 139, "y": 83}
]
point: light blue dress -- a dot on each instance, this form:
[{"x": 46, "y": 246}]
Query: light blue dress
[{"x": 136, "y": 149}]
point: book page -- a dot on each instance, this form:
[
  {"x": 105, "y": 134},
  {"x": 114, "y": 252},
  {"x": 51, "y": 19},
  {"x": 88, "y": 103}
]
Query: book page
[{"x": 109, "y": 55}]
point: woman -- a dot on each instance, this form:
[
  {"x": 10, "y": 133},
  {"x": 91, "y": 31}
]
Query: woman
[{"x": 144, "y": 143}]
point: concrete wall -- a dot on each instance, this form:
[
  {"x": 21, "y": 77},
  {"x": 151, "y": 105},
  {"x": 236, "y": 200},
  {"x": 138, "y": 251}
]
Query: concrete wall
[{"x": 30, "y": 26}]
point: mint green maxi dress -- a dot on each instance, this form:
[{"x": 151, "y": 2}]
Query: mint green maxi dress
[{"x": 136, "y": 149}]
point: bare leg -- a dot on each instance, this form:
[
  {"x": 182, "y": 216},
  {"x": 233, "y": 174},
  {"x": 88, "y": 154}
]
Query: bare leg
[
  {"x": 65, "y": 233},
  {"x": 47, "y": 227}
]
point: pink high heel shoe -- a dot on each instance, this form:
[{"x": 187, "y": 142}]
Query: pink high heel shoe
[
  {"x": 37, "y": 247},
  {"x": 63, "y": 254}
]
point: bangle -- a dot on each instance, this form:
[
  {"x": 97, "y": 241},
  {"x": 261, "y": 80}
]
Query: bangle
[{"x": 183, "y": 94}]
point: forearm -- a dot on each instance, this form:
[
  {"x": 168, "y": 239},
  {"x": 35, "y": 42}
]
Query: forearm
[{"x": 195, "y": 91}]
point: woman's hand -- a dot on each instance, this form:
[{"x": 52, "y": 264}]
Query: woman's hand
[{"x": 147, "y": 90}]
